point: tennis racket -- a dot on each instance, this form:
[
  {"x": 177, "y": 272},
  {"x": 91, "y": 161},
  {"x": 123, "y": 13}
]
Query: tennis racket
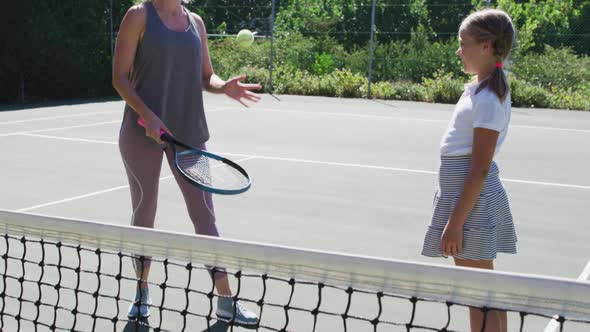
[{"x": 206, "y": 170}]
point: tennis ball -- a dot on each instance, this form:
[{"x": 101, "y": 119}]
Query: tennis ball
[{"x": 245, "y": 38}]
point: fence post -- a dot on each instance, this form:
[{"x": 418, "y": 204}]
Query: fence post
[
  {"x": 371, "y": 47},
  {"x": 21, "y": 90},
  {"x": 111, "y": 27},
  {"x": 272, "y": 34}
]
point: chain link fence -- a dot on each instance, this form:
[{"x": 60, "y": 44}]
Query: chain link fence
[
  {"x": 383, "y": 40},
  {"x": 57, "y": 54}
]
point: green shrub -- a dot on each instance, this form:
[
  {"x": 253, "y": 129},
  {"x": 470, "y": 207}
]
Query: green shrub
[
  {"x": 527, "y": 95},
  {"x": 556, "y": 68},
  {"x": 407, "y": 60},
  {"x": 229, "y": 60},
  {"x": 350, "y": 84},
  {"x": 309, "y": 66},
  {"x": 327, "y": 85},
  {"x": 358, "y": 61},
  {"x": 410, "y": 91},
  {"x": 395, "y": 61},
  {"x": 572, "y": 100},
  {"x": 323, "y": 64},
  {"x": 336, "y": 51},
  {"x": 339, "y": 83},
  {"x": 420, "y": 57},
  {"x": 399, "y": 91},
  {"x": 295, "y": 51},
  {"x": 257, "y": 75},
  {"x": 443, "y": 88},
  {"x": 383, "y": 90}
]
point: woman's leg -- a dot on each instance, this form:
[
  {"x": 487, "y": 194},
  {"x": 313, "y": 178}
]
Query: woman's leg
[
  {"x": 142, "y": 158},
  {"x": 496, "y": 321},
  {"x": 200, "y": 208},
  {"x": 199, "y": 204}
]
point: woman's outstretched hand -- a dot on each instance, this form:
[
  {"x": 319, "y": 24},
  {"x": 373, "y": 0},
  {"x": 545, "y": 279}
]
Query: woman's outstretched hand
[{"x": 239, "y": 91}]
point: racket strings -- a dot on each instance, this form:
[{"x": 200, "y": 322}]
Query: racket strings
[{"x": 211, "y": 172}]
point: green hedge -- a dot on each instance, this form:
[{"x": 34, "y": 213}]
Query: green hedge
[
  {"x": 527, "y": 95},
  {"x": 555, "y": 68},
  {"x": 443, "y": 88},
  {"x": 69, "y": 57},
  {"x": 410, "y": 60},
  {"x": 320, "y": 67}
]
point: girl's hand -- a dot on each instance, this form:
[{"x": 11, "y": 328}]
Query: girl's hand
[
  {"x": 452, "y": 240},
  {"x": 238, "y": 90},
  {"x": 153, "y": 127}
]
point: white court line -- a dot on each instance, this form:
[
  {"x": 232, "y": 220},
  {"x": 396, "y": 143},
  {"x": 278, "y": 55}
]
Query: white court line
[
  {"x": 552, "y": 128},
  {"x": 69, "y": 139},
  {"x": 586, "y": 273},
  {"x": 370, "y": 116},
  {"x": 60, "y": 128},
  {"x": 60, "y": 117},
  {"x": 550, "y": 184},
  {"x": 81, "y": 126},
  {"x": 406, "y": 170},
  {"x": 77, "y": 197},
  {"x": 554, "y": 324},
  {"x": 96, "y": 193},
  {"x": 329, "y": 163},
  {"x": 307, "y": 161},
  {"x": 353, "y": 115},
  {"x": 86, "y": 113}
]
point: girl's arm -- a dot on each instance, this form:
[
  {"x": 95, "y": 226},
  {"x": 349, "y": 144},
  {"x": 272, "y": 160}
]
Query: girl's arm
[{"x": 484, "y": 145}]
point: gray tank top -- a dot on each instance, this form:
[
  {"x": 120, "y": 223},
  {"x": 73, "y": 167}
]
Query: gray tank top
[{"x": 167, "y": 76}]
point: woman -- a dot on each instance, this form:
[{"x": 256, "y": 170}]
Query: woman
[{"x": 161, "y": 65}]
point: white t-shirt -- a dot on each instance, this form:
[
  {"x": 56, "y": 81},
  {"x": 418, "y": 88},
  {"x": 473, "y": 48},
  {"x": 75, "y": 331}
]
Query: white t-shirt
[{"x": 482, "y": 110}]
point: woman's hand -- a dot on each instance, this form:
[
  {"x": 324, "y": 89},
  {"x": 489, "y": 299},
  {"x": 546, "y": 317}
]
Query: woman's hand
[
  {"x": 238, "y": 90},
  {"x": 451, "y": 242},
  {"x": 154, "y": 126}
]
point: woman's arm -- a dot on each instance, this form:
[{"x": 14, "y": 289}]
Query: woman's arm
[
  {"x": 130, "y": 32},
  {"x": 213, "y": 83},
  {"x": 484, "y": 146}
]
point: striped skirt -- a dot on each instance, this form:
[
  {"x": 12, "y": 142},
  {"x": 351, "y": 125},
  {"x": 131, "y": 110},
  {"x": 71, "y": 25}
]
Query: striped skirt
[{"x": 489, "y": 228}]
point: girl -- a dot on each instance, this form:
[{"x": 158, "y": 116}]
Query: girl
[
  {"x": 161, "y": 66},
  {"x": 471, "y": 219}
]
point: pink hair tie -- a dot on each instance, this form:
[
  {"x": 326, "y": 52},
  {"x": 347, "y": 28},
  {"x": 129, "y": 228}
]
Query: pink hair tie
[{"x": 499, "y": 65}]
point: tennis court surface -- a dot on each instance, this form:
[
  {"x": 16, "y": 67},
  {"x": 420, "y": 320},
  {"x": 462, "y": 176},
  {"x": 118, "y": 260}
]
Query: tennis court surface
[{"x": 351, "y": 181}]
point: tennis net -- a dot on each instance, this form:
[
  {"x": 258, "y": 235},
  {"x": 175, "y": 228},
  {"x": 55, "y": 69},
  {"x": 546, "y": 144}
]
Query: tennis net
[{"x": 64, "y": 274}]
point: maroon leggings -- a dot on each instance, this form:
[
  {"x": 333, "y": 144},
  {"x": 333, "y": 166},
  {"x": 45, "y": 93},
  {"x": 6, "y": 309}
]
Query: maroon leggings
[{"x": 142, "y": 158}]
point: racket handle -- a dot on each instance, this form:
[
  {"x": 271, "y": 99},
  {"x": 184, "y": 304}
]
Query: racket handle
[{"x": 142, "y": 123}]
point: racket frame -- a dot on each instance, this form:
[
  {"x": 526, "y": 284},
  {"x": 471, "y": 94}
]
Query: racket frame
[
  {"x": 174, "y": 142},
  {"x": 190, "y": 149}
]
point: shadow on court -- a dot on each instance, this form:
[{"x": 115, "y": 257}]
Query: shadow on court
[
  {"x": 143, "y": 325},
  {"x": 138, "y": 325},
  {"x": 221, "y": 326}
]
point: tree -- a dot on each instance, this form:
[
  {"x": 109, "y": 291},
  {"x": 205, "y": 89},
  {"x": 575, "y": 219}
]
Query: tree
[
  {"x": 57, "y": 49},
  {"x": 540, "y": 22},
  {"x": 230, "y": 16}
]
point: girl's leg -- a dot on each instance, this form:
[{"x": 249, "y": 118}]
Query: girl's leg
[
  {"x": 200, "y": 209},
  {"x": 142, "y": 159},
  {"x": 496, "y": 321}
]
